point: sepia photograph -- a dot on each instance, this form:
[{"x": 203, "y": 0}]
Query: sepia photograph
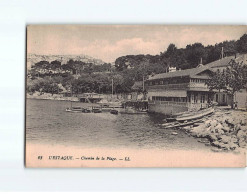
[{"x": 136, "y": 96}]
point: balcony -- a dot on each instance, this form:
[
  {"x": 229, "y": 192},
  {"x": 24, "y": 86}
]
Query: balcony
[
  {"x": 198, "y": 86},
  {"x": 168, "y": 86},
  {"x": 185, "y": 86},
  {"x": 170, "y": 103}
]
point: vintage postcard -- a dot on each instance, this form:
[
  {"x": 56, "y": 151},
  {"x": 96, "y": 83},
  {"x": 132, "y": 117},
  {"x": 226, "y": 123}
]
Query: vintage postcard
[{"x": 136, "y": 96}]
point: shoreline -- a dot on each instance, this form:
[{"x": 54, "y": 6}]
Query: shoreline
[
  {"x": 225, "y": 130},
  {"x": 47, "y": 96}
]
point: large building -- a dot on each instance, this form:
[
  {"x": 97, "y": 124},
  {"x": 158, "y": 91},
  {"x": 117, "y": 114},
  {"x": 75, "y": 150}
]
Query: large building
[
  {"x": 185, "y": 90},
  {"x": 179, "y": 91}
]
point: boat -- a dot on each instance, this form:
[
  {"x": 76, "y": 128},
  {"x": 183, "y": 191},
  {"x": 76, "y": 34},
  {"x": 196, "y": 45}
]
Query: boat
[
  {"x": 78, "y": 110},
  {"x": 195, "y": 115},
  {"x": 74, "y": 109},
  {"x": 96, "y": 110},
  {"x": 114, "y": 112},
  {"x": 130, "y": 110},
  {"x": 179, "y": 124},
  {"x": 171, "y": 119},
  {"x": 86, "y": 110}
]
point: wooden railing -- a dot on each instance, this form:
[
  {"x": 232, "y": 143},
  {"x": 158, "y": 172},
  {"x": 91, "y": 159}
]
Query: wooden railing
[
  {"x": 169, "y": 86},
  {"x": 191, "y": 106},
  {"x": 169, "y": 103},
  {"x": 177, "y": 86}
]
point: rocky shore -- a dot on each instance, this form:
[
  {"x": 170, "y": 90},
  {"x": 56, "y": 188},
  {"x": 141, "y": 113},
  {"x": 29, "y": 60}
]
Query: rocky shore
[
  {"x": 48, "y": 96},
  {"x": 225, "y": 129}
]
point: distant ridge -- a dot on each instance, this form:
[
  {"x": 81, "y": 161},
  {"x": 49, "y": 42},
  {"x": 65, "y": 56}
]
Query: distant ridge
[{"x": 34, "y": 58}]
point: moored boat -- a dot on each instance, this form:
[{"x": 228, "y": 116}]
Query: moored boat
[
  {"x": 180, "y": 124},
  {"x": 74, "y": 109},
  {"x": 130, "y": 110},
  {"x": 96, "y": 110},
  {"x": 195, "y": 115},
  {"x": 114, "y": 112}
]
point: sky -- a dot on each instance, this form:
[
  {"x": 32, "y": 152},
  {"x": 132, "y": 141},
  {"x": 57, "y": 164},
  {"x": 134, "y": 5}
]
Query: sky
[{"x": 108, "y": 42}]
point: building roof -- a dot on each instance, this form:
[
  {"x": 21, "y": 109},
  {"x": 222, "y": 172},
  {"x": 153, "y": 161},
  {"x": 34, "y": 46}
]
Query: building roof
[
  {"x": 193, "y": 72},
  {"x": 137, "y": 85},
  {"x": 221, "y": 62}
]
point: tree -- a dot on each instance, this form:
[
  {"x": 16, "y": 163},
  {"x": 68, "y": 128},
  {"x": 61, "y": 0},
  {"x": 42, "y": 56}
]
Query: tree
[
  {"x": 217, "y": 81},
  {"x": 55, "y": 64},
  {"x": 194, "y": 53},
  {"x": 232, "y": 80},
  {"x": 235, "y": 78},
  {"x": 242, "y": 44}
]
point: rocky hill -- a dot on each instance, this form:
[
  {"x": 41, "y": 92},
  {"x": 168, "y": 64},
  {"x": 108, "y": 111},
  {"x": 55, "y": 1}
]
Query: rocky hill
[{"x": 34, "y": 58}]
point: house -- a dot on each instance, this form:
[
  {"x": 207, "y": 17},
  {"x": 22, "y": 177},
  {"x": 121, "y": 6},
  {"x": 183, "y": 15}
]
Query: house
[
  {"x": 179, "y": 91},
  {"x": 185, "y": 90},
  {"x": 137, "y": 91},
  {"x": 222, "y": 98},
  {"x": 172, "y": 69},
  {"x": 90, "y": 97}
]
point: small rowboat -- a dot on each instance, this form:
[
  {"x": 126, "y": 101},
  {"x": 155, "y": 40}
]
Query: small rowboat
[
  {"x": 196, "y": 115},
  {"x": 77, "y": 110},
  {"x": 114, "y": 112},
  {"x": 96, "y": 110},
  {"x": 177, "y": 124},
  {"x": 74, "y": 109}
]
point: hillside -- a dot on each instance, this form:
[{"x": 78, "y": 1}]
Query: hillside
[{"x": 34, "y": 58}]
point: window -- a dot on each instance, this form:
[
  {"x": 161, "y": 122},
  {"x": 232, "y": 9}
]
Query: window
[
  {"x": 195, "y": 98},
  {"x": 224, "y": 98},
  {"x": 202, "y": 98}
]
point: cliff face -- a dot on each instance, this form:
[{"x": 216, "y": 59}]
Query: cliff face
[{"x": 34, "y": 58}]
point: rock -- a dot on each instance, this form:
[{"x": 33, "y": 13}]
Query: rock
[
  {"x": 229, "y": 121},
  {"x": 234, "y": 139},
  {"x": 241, "y": 134},
  {"x": 216, "y": 143},
  {"x": 218, "y": 126},
  {"x": 208, "y": 130},
  {"x": 225, "y": 139},
  {"x": 243, "y": 122},
  {"x": 225, "y": 127},
  {"x": 213, "y": 137},
  {"x": 221, "y": 132},
  {"x": 233, "y": 146},
  {"x": 216, "y": 149},
  {"x": 208, "y": 123},
  {"x": 242, "y": 143},
  {"x": 243, "y": 128},
  {"x": 237, "y": 127},
  {"x": 187, "y": 128},
  {"x": 214, "y": 123}
]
